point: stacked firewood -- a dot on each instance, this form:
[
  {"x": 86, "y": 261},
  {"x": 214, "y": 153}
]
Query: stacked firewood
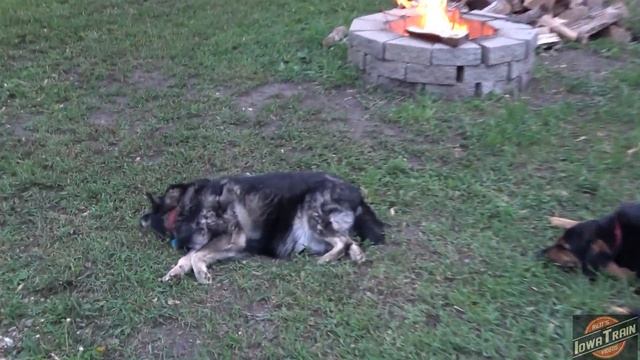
[{"x": 557, "y": 20}]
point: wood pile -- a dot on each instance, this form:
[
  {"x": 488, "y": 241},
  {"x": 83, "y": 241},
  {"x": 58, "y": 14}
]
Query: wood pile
[{"x": 558, "y": 20}]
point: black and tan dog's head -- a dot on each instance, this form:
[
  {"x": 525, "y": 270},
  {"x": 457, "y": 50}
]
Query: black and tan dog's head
[
  {"x": 189, "y": 213},
  {"x": 570, "y": 248},
  {"x": 164, "y": 210},
  {"x": 580, "y": 247},
  {"x": 333, "y": 211}
]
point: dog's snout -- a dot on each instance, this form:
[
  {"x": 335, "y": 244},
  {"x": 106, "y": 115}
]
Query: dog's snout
[
  {"x": 540, "y": 254},
  {"x": 145, "y": 221}
]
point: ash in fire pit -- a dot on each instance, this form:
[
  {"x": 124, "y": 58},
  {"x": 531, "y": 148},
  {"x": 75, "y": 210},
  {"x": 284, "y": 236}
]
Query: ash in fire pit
[{"x": 426, "y": 46}]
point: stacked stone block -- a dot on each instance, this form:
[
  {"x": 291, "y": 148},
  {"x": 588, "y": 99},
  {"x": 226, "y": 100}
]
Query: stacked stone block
[{"x": 502, "y": 63}]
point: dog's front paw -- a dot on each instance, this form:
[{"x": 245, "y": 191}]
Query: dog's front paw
[
  {"x": 167, "y": 277},
  {"x": 203, "y": 277},
  {"x": 174, "y": 273}
]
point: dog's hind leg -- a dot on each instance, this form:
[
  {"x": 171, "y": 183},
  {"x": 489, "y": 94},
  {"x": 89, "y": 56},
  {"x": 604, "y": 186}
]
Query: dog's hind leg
[
  {"x": 619, "y": 272},
  {"x": 339, "y": 244},
  {"x": 221, "y": 248},
  {"x": 182, "y": 267}
]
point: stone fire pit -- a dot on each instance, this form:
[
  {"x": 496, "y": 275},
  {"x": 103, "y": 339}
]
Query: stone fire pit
[{"x": 501, "y": 63}]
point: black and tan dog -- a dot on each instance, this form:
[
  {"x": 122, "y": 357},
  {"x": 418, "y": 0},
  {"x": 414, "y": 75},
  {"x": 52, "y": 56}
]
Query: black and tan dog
[
  {"x": 610, "y": 243},
  {"x": 276, "y": 214}
]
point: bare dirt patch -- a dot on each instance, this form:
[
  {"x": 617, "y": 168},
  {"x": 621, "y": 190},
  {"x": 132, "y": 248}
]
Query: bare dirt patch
[
  {"x": 18, "y": 125},
  {"x": 153, "y": 80},
  {"x": 166, "y": 341},
  {"x": 580, "y": 63},
  {"x": 571, "y": 63},
  {"x": 341, "y": 107},
  {"x": 103, "y": 118},
  {"x": 255, "y": 99}
]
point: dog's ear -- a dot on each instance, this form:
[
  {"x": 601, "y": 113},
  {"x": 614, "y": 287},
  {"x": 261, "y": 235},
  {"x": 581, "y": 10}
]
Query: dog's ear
[
  {"x": 560, "y": 255},
  {"x": 153, "y": 200},
  {"x": 174, "y": 194}
]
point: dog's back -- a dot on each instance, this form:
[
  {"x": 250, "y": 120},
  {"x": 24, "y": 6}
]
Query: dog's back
[{"x": 286, "y": 193}]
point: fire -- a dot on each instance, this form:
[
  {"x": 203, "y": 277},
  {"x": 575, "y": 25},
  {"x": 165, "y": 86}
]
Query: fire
[
  {"x": 407, "y": 4},
  {"x": 435, "y": 18}
]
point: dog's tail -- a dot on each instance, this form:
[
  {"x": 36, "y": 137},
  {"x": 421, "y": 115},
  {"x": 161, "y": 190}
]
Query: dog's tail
[{"x": 368, "y": 226}]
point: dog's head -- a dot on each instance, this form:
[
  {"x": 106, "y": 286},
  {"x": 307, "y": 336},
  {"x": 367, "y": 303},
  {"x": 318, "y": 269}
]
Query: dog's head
[
  {"x": 190, "y": 213},
  {"x": 164, "y": 210},
  {"x": 333, "y": 211},
  {"x": 573, "y": 248}
]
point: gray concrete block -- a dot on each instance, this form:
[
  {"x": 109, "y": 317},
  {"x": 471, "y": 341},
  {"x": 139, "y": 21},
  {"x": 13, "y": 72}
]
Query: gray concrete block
[
  {"x": 451, "y": 92},
  {"x": 466, "y": 54},
  {"x": 529, "y": 36},
  {"x": 371, "y": 42},
  {"x": 390, "y": 69},
  {"x": 479, "y": 17},
  {"x": 408, "y": 49},
  {"x": 525, "y": 80},
  {"x": 356, "y": 57},
  {"x": 500, "y": 49},
  {"x": 438, "y": 75},
  {"x": 366, "y": 25},
  {"x": 384, "y": 82},
  {"x": 380, "y": 17},
  {"x": 480, "y": 73},
  {"x": 505, "y": 25},
  {"x": 487, "y": 14},
  {"x": 499, "y": 87},
  {"x": 516, "y": 68}
]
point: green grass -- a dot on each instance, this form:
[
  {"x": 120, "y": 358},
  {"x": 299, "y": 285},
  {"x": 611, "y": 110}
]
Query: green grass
[
  {"x": 634, "y": 16},
  {"x": 102, "y": 100}
]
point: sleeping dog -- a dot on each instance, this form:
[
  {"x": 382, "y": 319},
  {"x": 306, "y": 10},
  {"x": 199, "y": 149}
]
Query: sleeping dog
[
  {"x": 610, "y": 243},
  {"x": 276, "y": 214}
]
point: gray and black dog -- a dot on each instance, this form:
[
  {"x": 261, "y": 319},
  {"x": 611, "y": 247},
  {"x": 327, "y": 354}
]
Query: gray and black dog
[{"x": 274, "y": 214}]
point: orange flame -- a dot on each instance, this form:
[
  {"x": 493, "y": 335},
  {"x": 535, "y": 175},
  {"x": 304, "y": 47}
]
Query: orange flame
[
  {"x": 435, "y": 18},
  {"x": 407, "y": 4}
]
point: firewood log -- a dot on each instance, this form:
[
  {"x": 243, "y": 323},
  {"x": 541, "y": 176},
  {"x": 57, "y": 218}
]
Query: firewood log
[
  {"x": 559, "y": 28},
  {"x": 501, "y": 7},
  {"x": 598, "y": 20},
  {"x": 530, "y": 16}
]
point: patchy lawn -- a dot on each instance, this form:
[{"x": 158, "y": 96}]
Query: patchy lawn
[{"x": 102, "y": 100}]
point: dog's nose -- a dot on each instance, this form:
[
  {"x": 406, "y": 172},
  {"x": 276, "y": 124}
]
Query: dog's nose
[
  {"x": 144, "y": 221},
  {"x": 539, "y": 255}
]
